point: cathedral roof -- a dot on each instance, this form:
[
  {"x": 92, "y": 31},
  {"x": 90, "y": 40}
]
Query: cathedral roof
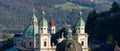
[
  {"x": 43, "y": 21},
  {"x": 80, "y": 21},
  {"x": 69, "y": 44}
]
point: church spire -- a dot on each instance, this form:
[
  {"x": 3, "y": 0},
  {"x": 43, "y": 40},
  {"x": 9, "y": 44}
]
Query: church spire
[
  {"x": 80, "y": 21},
  {"x": 51, "y": 23},
  {"x": 34, "y": 18},
  {"x": 43, "y": 12}
]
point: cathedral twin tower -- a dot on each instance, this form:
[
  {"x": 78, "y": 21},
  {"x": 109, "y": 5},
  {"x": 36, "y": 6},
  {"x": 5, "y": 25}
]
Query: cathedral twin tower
[{"x": 37, "y": 36}]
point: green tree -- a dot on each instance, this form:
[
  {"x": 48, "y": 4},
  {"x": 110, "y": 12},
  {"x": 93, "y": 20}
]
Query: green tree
[
  {"x": 115, "y": 7},
  {"x": 110, "y": 39},
  {"x": 90, "y": 19}
]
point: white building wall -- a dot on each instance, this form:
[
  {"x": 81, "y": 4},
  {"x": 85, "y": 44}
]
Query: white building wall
[
  {"x": 80, "y": 29},
  {"x": 81, "y": 37},
  {"x": 43, "y": 30}
]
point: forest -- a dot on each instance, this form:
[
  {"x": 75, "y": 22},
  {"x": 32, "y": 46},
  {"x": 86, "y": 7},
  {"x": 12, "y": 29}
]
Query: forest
[
  {"x": 15, "y": 15},
  {"x": 102, "y": 19}
]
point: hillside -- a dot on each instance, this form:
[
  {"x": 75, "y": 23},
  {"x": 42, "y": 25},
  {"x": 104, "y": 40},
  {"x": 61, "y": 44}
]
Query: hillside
[{"x": 15, "y": 15}]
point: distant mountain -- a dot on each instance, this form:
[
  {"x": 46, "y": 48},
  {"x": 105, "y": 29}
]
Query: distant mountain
[{"x": 15, "y": 15}]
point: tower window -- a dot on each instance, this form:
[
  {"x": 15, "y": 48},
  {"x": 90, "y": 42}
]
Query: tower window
[
  {"x": 45, "y": 44},
  {"x": 44, "y": 28},
  {"x": 41, "y": 31},
  {"x": 49, "y": 29},
  {"x": 82, "y": 43},
  {"x": 41, "y": 28},
  {"x": 78, "y": 28},
  {"x": 82, "y": 28}
]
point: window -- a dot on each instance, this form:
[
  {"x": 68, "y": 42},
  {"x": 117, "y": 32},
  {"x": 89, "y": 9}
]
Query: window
[
  {"x": 37, "y": 42},
  {"x": 53, "y": 29},
  {"x": 41, "y": 31},
  {"x": 49, "y": 29},
  {"x": 78, "y": 28},
  {"x": 44, "y": 28},
  {"x": 82, "y": 43},
  {"x": 45, "y": 44},
  {"x": 79, "y": 31},
  {"x": 82, "y": 28},
  {"x": 30, "y": 43},
  {"x": 41, "y": 28}
]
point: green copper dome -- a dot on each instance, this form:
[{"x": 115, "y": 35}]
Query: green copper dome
[
  {"x": 43, "y": 21},
  {"x": 30, "y": 31},
  {"x": 34, "y": 16},
  {"x": 80, "y": 21},
  {"x": 69, "y": 44}
]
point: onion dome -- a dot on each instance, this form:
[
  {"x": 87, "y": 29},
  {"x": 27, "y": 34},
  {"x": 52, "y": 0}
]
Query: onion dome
[
  {"x": 34, "y": 16},
  {"x": 43, "y": 21},
  {"x": 80, "y": 21},
  {"x": 51, "y": 22},
  {"x": 69, "y": 44}
]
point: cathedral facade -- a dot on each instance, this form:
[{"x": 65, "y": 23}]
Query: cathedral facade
[{"x": 37, "y": 36}]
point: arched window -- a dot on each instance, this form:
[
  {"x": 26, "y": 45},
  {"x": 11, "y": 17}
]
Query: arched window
[
  {"x": 82, "y": 43},
  {"x": 45, "y": 44}
]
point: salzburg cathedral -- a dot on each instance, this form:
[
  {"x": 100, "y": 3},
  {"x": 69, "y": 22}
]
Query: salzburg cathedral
[{"x": 37, "y": 36}]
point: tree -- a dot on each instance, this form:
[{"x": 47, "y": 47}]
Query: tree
[
  {"x": 110, "y": 39},
  {"x": 90, "y": 19},
  {"x": 115, "y": 7}
]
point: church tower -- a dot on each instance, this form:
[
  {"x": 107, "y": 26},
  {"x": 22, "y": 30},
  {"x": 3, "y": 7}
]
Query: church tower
[
  {"x": 43, "y": 24},
  {"x": 30, "y": 32},
  {"x": 43, "y": 37},
  {"x": 80, "y": 34},
  {"x": 52, "y": 27}
]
